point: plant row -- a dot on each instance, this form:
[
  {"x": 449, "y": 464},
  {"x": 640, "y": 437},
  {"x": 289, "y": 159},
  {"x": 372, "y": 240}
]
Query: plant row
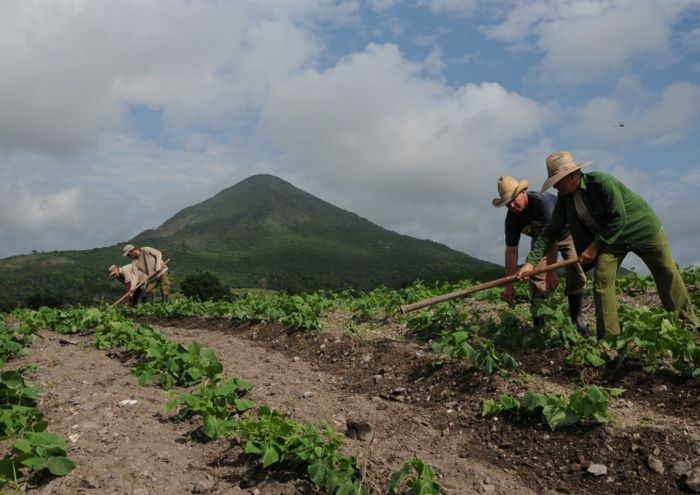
[
  {"x": 221, "y": 403},
  {"x": 34, "y": 451}
]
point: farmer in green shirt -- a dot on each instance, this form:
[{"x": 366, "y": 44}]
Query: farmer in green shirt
[{"x": 607, "y": 221}]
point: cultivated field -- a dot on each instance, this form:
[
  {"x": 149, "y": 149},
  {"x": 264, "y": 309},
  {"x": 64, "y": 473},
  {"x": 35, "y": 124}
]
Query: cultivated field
[{"x": 340, "y": 393}]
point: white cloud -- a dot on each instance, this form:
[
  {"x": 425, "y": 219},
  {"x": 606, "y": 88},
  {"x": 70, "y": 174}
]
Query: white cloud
[
  {"x": 404, "y": 150},
  {"x": 663, "y": 121},
  {"x": 70, "y": 67},
  {"x": 584, "y": 39}
]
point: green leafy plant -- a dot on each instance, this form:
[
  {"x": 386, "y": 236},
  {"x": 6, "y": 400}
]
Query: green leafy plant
[
  {"x": 36, "y": 452},
  {"x": 218, "y": 401},
  {"x": 588, "y": 403},
  {"x": 416, "y": 476},
  {"x": 480, "y": 352},
  {"x": 276, "y": 438}
]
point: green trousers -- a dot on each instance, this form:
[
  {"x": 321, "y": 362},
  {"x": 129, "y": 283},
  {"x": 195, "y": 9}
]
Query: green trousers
[
  {"x": 656, "y": 254},
  {"x": 162, "y": 284}
]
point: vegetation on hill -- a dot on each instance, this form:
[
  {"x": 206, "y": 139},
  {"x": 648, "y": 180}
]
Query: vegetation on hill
[{"x": 262, "y": 232}]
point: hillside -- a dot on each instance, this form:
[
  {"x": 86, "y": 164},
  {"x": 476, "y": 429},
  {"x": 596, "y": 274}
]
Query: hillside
[{"x": 261, "y": 232}]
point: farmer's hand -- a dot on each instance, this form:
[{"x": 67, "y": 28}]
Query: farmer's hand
[
  {"x": 590, "y": 253},
  {"x": 509, "y": 295},
  {"x": 524, "y": 271},
  {"x": 551, "y": 280}
]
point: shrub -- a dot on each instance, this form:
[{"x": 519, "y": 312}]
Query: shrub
[{"x": 203, "y": 287}]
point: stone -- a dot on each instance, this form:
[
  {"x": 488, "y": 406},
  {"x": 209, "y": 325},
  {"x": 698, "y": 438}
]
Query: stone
[
  {"x": 680, "y": 468},
  {"x": 598, "y": 469},
  {"x": 89, "y": 483},
  {"x": 660, "y": 388},
  {"x": 692, "y": 480},
  {"x": 360, "y": 430},
  {"x": 488, "y": 489},
  {"x": 655, "y": 464},
  {"x": 140, "y": 491},
  {"x": 296, "y": 359},
  {"x": 202, "y": 487},
  {"x": 307, "y": 395}
]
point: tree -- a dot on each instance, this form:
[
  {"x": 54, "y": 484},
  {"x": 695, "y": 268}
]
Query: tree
[{"x": 204, "y": 286}]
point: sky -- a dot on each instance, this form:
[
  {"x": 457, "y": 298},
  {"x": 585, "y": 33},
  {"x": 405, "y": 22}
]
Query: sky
[{"x": 116, "y": 115}]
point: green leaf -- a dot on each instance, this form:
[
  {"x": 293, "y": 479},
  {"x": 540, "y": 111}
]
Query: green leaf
[
  {"x": 270, "y": 456},
  {"x": 251, "y": 448},
  {"x": 318, "y": 472},
  {"x": 60, "y": 466},
  {"x": 35, "y": 463},
  {"x": 243, "y": 405}
]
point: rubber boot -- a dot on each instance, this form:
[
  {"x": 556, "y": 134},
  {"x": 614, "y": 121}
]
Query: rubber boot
[{"x": 576, "y": 313}]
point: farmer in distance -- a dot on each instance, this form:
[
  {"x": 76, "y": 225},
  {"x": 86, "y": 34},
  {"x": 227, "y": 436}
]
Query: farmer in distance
[
  {"x": 528, "y": 213},
  {"x": 149, "y": 262},
  {"x": 607, "y": 220},
  {"x": 132, "y": 279}
]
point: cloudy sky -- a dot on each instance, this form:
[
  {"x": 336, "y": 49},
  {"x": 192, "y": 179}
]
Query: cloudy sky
[{"x": 115, "y": 115}]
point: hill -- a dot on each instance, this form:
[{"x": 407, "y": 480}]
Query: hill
[{"x": 261, "y": 232}]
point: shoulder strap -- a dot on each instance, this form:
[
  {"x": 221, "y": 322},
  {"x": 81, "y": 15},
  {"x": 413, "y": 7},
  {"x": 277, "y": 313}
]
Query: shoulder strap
[{"x": 584, "y": 214}]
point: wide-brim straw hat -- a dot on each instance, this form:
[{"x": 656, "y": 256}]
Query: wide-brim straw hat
[
  {"x": 559, "y": 165},
  {"x": 508, "y": 189},
  {"x": 127, "y": 248}
]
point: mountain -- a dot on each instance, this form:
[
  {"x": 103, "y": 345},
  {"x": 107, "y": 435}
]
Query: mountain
[{"x": 261, "y": 232}]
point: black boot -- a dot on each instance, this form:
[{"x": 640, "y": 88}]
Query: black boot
[{"x": 576, "y": 313}]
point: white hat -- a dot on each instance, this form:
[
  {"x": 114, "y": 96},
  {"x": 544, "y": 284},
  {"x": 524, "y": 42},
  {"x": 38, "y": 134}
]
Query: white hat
[
  {"x": 508, "y": 189},
  {"x": 559, "y": 165},
  {"x": 127, "y": 248}
]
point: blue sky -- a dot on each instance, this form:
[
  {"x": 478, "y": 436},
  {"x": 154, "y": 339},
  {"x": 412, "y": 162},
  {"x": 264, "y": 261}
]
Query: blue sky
[{"x": 118, "y": 114}]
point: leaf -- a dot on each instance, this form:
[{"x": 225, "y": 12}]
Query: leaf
[
  {"x": 270, "y": 456},
  {"x": 35, "y": 463},
  {"x": 60, "y": 466},
  {"x": 318, "y": 472},
  {"x": 243, "y": 405},
  {"x": 251, "y": 448}
]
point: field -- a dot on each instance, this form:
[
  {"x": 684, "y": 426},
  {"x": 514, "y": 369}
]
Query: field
[{"x": 340, "y": 393}]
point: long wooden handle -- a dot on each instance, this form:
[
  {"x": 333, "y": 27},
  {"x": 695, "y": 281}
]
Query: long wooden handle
[{"x": 407, "y": 308}]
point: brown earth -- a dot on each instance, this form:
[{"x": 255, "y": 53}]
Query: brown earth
[{"x": 414, "y": 406}]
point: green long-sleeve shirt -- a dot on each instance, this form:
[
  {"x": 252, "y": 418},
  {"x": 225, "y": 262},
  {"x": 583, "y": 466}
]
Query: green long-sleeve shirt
[{"x": 624, "y": 217}]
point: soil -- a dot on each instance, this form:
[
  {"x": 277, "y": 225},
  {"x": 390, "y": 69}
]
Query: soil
[{"x": 414, "y": 407}]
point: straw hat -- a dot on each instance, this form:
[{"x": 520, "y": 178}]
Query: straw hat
[
  {"x": 112, "y": 270},
  {"x": 559, "y": 165},
  {"x": 508, "y": 189},
  {"x": 127, "y": 248}
]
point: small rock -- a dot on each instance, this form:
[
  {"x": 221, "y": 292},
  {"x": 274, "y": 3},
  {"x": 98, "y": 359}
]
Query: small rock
[
  {"x": 74, "y": 437},
  {"x": 598, "y": 469},
  {"x": 660, "y": 388},
  {"x": 488, "y": 488},
  {"x": 692, "y": 480},
  {"x": 89, "y": 483},
  {"x": 545, "y": 371},
  {"x": 367, "y": 358},
  {"x": 655, "y": 464},
  {"x": 323, "y": 346},
  {"x": 128, "y": 402},
  {"x": 377, "y": 378},
  {"x": 140, "y": 491},
  {"x": 202, "y": 487},
  {"x": 360, "y": 430},
  {"x": 255, "y": 491},
  {"x": 307, "y": 395},
  {"x": 656, "y": 451},
  {"x": 398, "y": 390},
  {"x": 680, "y": 468},
  {"x": 296, "y": 359}
]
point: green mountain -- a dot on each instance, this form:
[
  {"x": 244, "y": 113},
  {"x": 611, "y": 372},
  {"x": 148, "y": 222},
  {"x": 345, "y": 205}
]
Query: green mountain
[{"x": 261, "y": 232}]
